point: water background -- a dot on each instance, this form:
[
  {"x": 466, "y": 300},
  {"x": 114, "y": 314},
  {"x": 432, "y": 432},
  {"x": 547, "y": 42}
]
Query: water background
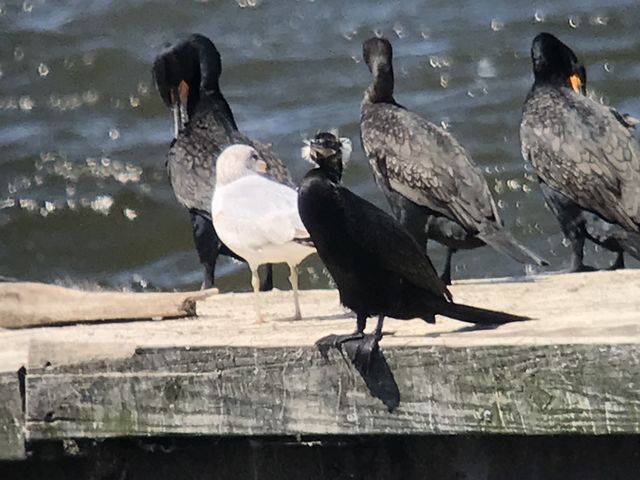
[{"x": 84, "y": 196}]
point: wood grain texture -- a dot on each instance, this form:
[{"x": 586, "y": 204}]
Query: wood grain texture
[
  {"x": 25, "y": 304},
  {"x": 571, "y": 370},
  {"x": 584, "y": 389},
  {"x": 587, "y": 308},
  {"x": 12, "y": 446}
]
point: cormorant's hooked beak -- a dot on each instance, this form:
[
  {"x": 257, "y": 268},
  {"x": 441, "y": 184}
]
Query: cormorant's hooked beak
[
  {"x": 318, "y": 150},
  {"x": 179, "y": 107},
  {"x": 578, "y": 79},
  {"x": 576, "y": 82},
  {"x": 312, "y": 149}
]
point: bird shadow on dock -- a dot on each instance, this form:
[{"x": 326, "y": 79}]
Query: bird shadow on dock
[
  {"x": 365, "y": 355},
  {"x": 465, "y": 329}
]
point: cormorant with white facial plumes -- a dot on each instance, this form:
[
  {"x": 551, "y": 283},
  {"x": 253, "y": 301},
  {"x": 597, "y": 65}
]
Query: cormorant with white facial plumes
[
  {"x": 433, "y": 186},
  {"x": 377, "y": 265},
  {"x": 585, "y": 154},
  {"x": 187, "y": 75}
]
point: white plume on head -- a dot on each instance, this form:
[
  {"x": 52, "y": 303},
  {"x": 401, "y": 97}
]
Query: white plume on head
[
  {"x": 347, "y": 148},
  {"x": 305, "y": 151}
]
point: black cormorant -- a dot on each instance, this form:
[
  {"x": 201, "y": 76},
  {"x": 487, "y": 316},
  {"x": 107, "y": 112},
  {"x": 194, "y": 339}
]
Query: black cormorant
[
  {"x": 585, "y": 154},
  {"x": 433, "y": 186},
  {"x": 187, "y": 75},
  {"x": 377, "y": 265}
]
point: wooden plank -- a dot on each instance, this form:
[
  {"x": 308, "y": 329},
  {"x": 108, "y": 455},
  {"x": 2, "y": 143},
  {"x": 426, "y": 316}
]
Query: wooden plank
[
  {"x": 582, "y": 389},
  {"x": 25, "y": 304},
  {"x": 589, "y": 308},
  {"x": 578, "y": 317},
  {"x": 12, "y": 446}
]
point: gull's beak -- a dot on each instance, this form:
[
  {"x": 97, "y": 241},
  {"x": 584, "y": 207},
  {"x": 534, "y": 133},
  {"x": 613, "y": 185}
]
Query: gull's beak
[
  {"x": 261, "y": 166},
  {"x": 576, "y": 82}
]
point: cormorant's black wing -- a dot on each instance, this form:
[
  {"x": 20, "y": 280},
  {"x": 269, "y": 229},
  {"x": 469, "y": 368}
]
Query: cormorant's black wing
[
  {"x": 427, "y": 165},
  {"x": 389, "y": 244},
  {"x": 581, "y": 149}
]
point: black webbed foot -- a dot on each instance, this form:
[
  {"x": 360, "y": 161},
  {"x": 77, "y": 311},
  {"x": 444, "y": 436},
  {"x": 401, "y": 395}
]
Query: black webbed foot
[
  {"x": 619, "y": 262},
  {"x": 336, "y": 341},
  {"x": 364, "y": 353},
  {"x": 574, "y": 269},
  {"x": 359, "y": 347},
  {"x": 581, "y": 268}
]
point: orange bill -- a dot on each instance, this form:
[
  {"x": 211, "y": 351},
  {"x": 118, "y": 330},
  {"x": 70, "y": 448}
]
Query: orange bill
[
  {"x": 575, "y": 82},
  {"x": 183, "y": 90}
]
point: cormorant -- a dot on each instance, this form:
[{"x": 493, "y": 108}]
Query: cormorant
[
  {"x": 377, "y": 265},
  {"x": 187, "y": 76},
  {"x": 433, "y": 186},
  {"x": 257, "y": 218},
  {"x": 585, "y": 154}
]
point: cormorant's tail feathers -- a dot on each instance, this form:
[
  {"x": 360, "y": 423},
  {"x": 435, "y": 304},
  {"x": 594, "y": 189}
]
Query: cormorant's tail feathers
[
  {"x": 504, "y": 243},
  {"x": 479, "y": 316}
]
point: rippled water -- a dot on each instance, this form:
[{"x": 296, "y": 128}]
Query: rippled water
[{"x": 84, "y": 197}]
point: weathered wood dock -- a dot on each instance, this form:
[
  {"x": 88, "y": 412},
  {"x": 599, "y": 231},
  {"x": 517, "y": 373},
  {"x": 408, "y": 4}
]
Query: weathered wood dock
[{"x": 575, "y": 369}]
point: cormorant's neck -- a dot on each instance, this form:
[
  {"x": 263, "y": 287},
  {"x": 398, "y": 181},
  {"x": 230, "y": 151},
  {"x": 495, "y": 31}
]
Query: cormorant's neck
[
  {"x": 332, "y": 169},
  {"x": 381, "y": 88},
  {"x": 212, "y": 101},
  {"x": 209, "y": 84},
  {"x": 556, "y": 81}
]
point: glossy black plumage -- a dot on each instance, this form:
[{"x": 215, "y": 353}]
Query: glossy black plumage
[
  {"x": 187, "y": 76},
  {"x": 433, "y": 186},
  {"x": 585, "y": 154},
  {"x": 377, "y": 265}
]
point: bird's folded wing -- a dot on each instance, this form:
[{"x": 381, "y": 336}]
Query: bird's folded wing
[
  {"x": 587, "y": 154},
  {"x": 388, "y": 243},
  {"x": 427, "y": 165},
  {"x": 191, "y": 159},
  {"x": 259, "y": 212}
]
